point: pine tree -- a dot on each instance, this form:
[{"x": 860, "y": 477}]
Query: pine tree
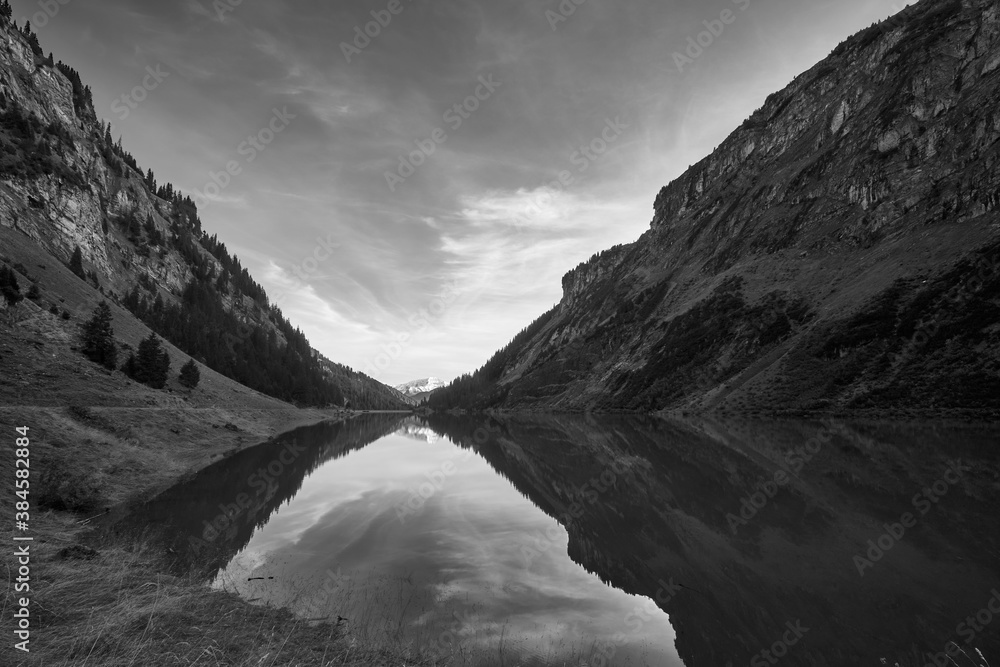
[
  {"x": 151, "y": 365},
  {"x": 190, "y": 375},
  {"x": 99, "y": 338},
  {"x": 76, "y": 263}
]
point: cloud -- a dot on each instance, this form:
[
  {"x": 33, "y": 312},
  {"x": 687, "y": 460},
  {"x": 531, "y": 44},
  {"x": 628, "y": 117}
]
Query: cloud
[{"x": 489, "y": 209}]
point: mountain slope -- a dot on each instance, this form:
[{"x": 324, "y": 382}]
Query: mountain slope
[
  {"x": 839, "y": 250},
  {"x": 65, "y": 184}
]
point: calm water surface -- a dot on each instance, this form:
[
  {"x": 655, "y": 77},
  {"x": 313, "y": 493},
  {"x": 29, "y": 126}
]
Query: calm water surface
[{"x": 612, "y": 540}]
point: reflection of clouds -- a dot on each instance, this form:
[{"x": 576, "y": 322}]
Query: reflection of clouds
[{"x": 457, "y": 563}]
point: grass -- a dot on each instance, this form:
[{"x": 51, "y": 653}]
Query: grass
[
  {"x": 120, "y": 609},
  {"x": 100, "y": 443}
]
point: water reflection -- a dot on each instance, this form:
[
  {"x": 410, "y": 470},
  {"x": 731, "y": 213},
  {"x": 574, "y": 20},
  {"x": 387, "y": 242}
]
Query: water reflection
[
  {"x": 669, "y": 513},
  {"x": 414, "y": 540},
  {"x": 208, "y": 519},
  {"x": 561, "y": 539}
]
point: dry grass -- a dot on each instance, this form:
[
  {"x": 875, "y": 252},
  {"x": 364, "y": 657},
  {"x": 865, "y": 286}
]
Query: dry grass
[{"x": 120, "y": 609}]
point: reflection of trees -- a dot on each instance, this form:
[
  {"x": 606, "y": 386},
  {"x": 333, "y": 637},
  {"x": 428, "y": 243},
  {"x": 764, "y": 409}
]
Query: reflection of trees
[
  {"x": 664, "y": 515},
  {"x": 180, "y": 514}
]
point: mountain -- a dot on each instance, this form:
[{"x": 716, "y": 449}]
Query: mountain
[
  {"x": 70, "y": 190},
  {"x": 420, "y": 389},
  {"x": 838, "y": 251}
]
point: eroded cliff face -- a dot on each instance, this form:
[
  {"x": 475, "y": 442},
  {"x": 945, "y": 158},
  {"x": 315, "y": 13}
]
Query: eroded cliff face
[
  {"x": 60, "y": 215},
  {"x": 828, "y": 254}
]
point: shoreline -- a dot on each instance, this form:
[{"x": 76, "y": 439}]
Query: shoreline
[
  {"x": 148, "y": 449},
  {"x": 90, "y": 591}
]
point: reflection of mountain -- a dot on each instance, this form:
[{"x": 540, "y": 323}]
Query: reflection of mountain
[
  {"x": 415, "y": 431},
  {"x": 665, "y": 517},
  {"x": 241, "y": 485}
]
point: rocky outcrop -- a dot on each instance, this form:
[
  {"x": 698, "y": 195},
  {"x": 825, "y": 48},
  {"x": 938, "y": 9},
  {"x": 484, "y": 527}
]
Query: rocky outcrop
[
  {"x": 60, "y": 216},
  {"x": 840, "y": 216}
]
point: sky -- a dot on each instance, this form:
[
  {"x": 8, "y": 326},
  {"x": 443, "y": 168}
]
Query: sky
[{"x": 410, "y": 179}]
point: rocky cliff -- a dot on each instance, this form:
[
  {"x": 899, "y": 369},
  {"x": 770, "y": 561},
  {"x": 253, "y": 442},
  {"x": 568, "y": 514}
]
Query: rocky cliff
[{"x": 839, "y": 250}]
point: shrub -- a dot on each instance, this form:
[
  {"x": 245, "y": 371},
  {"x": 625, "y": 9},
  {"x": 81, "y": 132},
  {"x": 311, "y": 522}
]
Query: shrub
[{"x": 190, "y": 375}]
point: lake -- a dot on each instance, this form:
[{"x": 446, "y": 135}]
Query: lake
[{"x": 612, "y": 540}]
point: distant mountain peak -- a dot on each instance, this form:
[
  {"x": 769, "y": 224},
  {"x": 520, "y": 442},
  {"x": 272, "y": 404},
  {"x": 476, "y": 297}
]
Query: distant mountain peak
[{"x": 422, "y": 386}]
